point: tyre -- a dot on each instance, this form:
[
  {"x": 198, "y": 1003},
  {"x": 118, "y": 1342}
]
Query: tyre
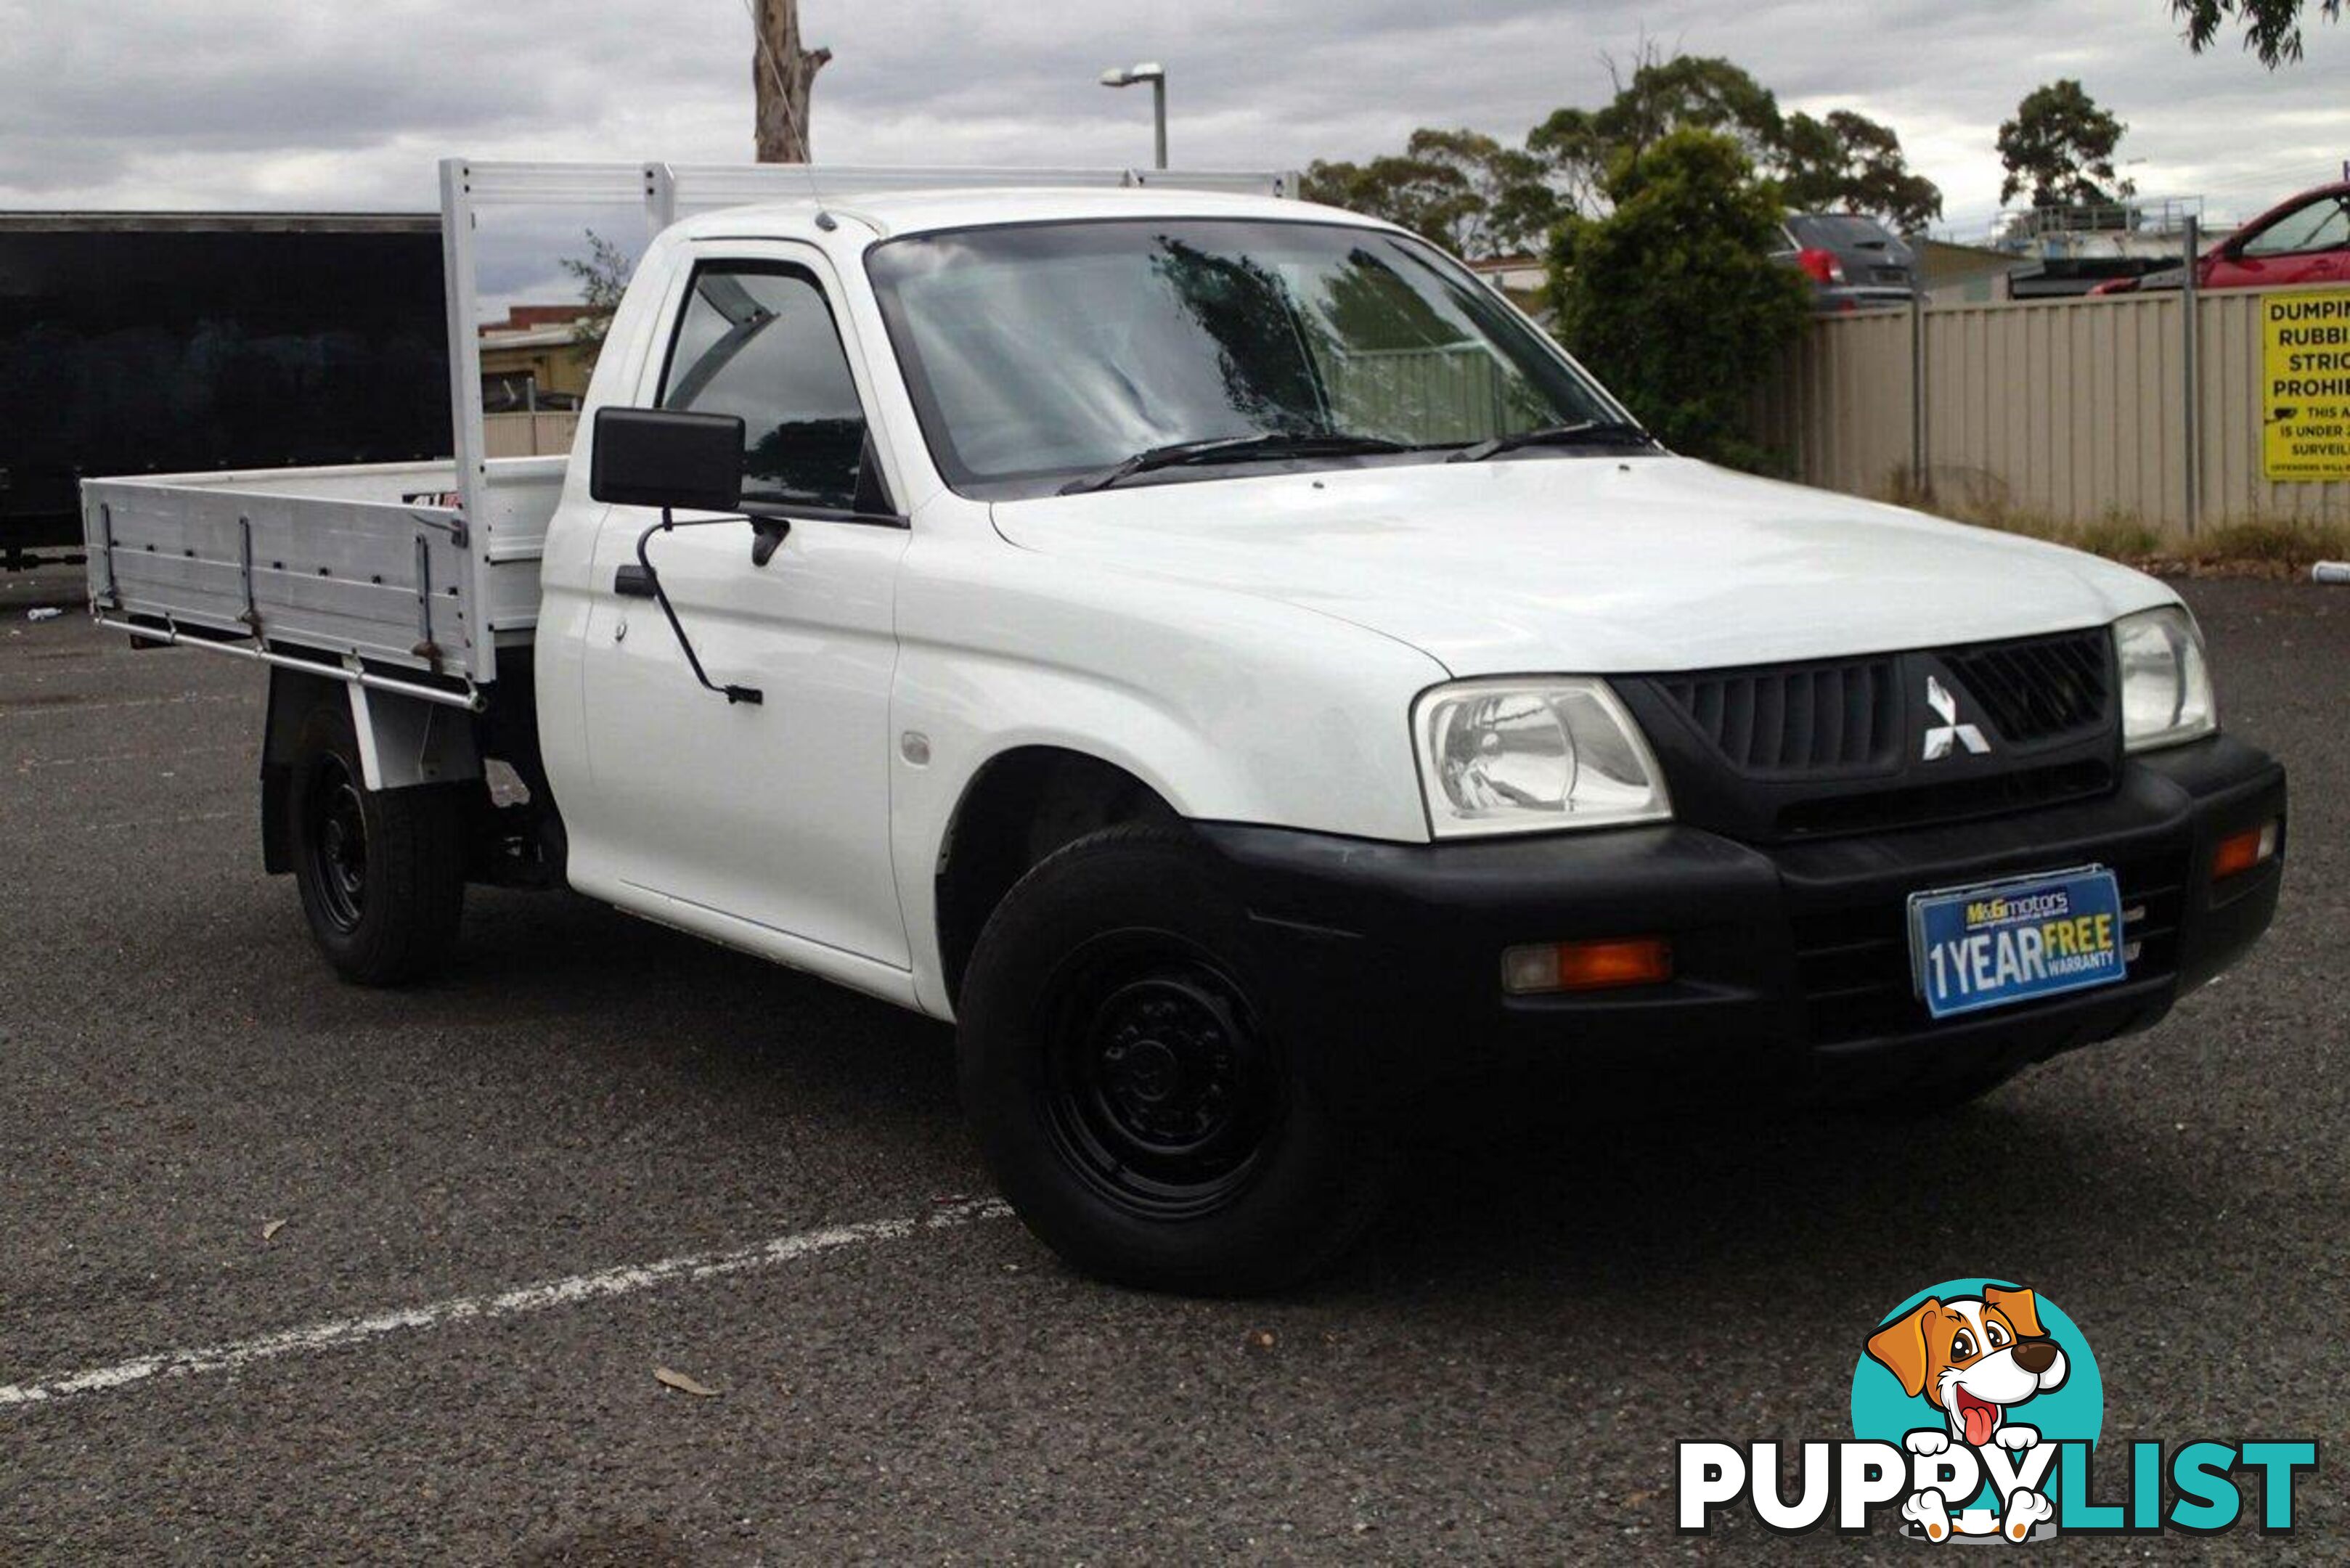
[
  {"x": 382, "y": 872},
  {"x": 1125, "y": 1091}
]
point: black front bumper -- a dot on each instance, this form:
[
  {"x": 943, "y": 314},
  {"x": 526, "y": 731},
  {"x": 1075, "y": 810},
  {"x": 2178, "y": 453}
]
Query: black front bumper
[{"x": 1791, "y": 962}]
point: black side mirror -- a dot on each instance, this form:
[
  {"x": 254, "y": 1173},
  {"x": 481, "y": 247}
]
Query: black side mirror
[{"x": 659, "y": 457}]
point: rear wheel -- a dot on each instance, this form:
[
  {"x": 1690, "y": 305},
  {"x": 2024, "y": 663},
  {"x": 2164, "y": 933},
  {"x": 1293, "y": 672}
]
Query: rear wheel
[
  {"x": 382, "y": 872},
  {"x": 1127, "y": 1089}
]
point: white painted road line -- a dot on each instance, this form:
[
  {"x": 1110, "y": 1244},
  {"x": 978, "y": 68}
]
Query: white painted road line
[
  {"x": 180, "y": 821},
  {"x": 46, "y": 710},
  {"x": 626, "y": 1279},
  {"x": 27, "y": 764}
]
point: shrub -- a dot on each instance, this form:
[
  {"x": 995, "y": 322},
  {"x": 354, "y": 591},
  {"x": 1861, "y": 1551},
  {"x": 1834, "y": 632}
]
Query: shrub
[{"x": 1673, "y": 300}]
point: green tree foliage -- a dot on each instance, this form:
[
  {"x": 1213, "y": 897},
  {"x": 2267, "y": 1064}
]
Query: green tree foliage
[
  {"x": 1479, "y": 197},
  {"x": 1673, "y": 299},
  {"x": 1583, "y": 146},
  {"x": 1852, "y": 162},
  {"x": 1423, "y": 197},
  {"x": 1690, "y": 92},
  {"x": 1576, "y": 153},
  {"x": 2271, "y": 28},
  {"x": 1845, "y": 162},
  {"x": 603, "y": 277},
  {"x": 1460, "y": 188},
  {"x": 1515, "y": 205},
  {"x": 2060, "y": 148}
]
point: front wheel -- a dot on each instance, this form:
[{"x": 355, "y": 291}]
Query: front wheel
[
  {"x": 1125, "y": 1086},
  {"x": 382, "y": 872}
]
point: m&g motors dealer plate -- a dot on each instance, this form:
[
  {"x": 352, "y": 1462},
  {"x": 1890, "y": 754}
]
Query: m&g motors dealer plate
[{"x": 2014, "y": 939}]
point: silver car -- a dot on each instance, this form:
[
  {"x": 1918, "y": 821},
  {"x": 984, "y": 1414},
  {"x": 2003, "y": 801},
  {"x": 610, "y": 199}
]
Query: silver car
[{"x": 1854, "y": 263}]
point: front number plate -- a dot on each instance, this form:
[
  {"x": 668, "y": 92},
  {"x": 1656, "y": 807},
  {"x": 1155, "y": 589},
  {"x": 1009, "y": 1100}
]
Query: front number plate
[{"x": 2000, "y": 942}]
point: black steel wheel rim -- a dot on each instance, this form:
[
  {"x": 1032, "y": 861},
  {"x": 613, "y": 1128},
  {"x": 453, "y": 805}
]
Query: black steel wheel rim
[
  {"x": 337, "y": 841},
  {"x": 1160, "y": 1088}
]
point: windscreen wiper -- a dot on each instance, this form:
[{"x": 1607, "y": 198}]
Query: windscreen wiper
[
  {"x": 1236, "y": 449},
  {"x": 1581, "y": 432}
]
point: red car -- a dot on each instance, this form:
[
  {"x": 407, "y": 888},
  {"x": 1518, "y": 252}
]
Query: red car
[{"x": 2304, "y": 240}]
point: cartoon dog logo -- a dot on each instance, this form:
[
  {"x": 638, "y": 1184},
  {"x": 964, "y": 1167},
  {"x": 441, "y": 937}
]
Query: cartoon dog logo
[{"x": 1974, "y": 1359}]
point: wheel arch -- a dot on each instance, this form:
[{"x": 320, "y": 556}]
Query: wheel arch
[
  {"x": 405, "y": 742},
  {"x": 1018, "y": 807},
  {"x": 292, "y": 695}
]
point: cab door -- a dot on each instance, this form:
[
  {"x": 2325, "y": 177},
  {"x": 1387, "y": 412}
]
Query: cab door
[{"x": 775, "y": 812}]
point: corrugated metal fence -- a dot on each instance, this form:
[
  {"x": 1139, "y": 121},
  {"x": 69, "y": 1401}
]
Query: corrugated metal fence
[
  {"x": 528, "y": 435},
  {"x": 2070, "y": 409}
]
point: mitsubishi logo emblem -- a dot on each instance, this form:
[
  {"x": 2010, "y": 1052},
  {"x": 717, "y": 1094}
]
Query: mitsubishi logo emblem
[{"x": 1942, "y": 737}]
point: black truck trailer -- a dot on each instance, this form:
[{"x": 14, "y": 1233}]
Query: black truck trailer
[{"x": 171, "y": 342}]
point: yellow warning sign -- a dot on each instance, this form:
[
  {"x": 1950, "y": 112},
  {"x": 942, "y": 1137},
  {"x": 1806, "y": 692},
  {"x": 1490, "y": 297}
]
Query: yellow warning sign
[{"x": 2305, "y": 384}]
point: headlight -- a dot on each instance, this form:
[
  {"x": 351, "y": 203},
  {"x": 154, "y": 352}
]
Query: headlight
[
  {"x": 2165, "y": 685},
  {"x": 1529, "y": 757}
]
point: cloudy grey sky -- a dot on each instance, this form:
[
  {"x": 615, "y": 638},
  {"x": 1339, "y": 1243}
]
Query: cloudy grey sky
[{"x": 295, "y": 103}]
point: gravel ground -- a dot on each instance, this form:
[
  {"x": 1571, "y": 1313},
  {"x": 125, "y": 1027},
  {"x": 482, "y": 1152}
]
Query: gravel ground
[{"x": 1502, "y": 1373}]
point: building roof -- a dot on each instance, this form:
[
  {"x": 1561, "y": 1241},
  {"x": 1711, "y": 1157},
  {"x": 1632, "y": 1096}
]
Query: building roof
[
  {"x": 535, "y": 326},
  {"x": 497, "y": 336},
  {"x": 523, "y": 317},
  {"x": 1943, "y": 261}
]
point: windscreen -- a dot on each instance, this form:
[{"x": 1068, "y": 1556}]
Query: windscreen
[
  {"x": 1039, "y": 352},
  {"x": 1832, "y": 230}
]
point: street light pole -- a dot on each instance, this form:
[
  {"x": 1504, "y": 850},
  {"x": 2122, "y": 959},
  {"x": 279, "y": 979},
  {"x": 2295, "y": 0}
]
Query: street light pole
[{"x": 1154, "y": 73}]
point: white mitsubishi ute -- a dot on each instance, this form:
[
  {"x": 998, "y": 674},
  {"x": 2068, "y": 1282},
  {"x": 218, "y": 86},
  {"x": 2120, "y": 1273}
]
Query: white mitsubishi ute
[{"x": 1217, "y": 653}]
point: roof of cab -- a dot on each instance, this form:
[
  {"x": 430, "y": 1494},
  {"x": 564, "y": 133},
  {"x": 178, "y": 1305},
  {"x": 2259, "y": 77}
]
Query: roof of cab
[{"x": 893, "y": 212}]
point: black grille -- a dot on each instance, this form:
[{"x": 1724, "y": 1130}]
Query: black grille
[
  {"x": 1777, "y": 752},
  {"x": 1853, "y": 963},
  {"x": 1798, "y": 719},
  {"x": 2037, "y": 689},
  {"x": 1952, "y": 800}
]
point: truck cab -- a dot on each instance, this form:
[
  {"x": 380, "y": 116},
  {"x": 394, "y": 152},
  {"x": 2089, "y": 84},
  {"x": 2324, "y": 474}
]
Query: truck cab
[{"x": 1227, "y": 662}]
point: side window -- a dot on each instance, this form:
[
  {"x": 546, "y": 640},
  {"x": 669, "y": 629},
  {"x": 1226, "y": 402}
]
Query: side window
[
  {"x": 2320, "y": 226},
  {"x": 756, "y": 339}
]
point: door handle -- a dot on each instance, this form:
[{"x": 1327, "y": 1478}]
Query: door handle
[{"x": 633, "y": 582}]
